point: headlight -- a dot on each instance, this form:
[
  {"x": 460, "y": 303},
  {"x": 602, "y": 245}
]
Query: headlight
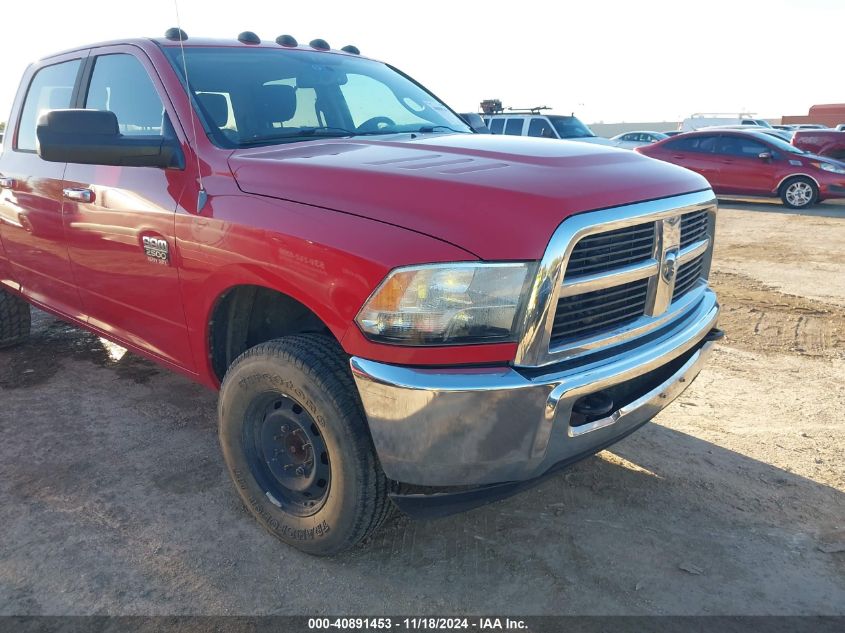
[
  {"x": 446, "y": 304},
  {"x": 836, "y": 169}
]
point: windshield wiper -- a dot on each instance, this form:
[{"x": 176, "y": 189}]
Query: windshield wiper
[
  {"x": 425, "y": 129},
  {"x": 329, "y": 132},
  {"x": 308, "y": 132}
]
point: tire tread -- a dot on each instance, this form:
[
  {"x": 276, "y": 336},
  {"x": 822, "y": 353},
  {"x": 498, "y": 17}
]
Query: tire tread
[{"x": 15, "y": 319}]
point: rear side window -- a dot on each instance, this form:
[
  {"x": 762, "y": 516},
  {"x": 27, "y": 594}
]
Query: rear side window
[
  {"x": 51, "y": 89},
  {"x": 704, "y": 144},
  {"x": 497, "y": 126},
  {"x": 514, "y": 127},
  {"x": 540, "y": 127},
  {"x": 120, "y": 84}
]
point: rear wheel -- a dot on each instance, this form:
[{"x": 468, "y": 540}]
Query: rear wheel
[
  {"x": 799, "y": 192},
  {"x": 15, "y": 319},
  {"x": 296, "y": 444}
]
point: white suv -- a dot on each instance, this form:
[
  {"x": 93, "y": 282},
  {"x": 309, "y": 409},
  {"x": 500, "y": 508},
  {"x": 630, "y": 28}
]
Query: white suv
[{"x": 532, "y": 123}]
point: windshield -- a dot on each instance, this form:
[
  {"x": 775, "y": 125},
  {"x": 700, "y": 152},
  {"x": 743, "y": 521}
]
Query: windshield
[
  {"x": 570, "y": 127},
  {"x": 250, "y": 97},
  {"x": 778, "y": 143}
]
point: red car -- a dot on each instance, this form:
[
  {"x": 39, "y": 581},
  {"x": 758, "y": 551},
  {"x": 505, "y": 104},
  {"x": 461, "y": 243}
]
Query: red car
[
  {"x": 395, "y": 310},
  {"x": 751, "y": 163}
]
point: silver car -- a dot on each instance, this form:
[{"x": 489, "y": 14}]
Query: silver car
[{"x": 630, "y": 140}]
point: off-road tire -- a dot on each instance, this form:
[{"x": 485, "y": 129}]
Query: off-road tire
[
  {"x": 313, "y": 371},
  {"x": 807, "y": 185},
  {"x": 15, "y": 319}
]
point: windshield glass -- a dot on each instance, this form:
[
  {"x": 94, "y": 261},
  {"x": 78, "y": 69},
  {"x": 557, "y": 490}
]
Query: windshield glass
[
  {"x": 570, "y": 127},
  {"x": 253, "y": 97},
  {"x": 778, "y": 143}
]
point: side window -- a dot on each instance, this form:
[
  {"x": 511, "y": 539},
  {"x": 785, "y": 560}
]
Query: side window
[
  {"x": 514, "y": 127},
  {"x": 701, "y": 144},
  {"x": 540, "y": 127},
  {"x": 497, "y": 126},
  {"x": 737, "y": 146},
  {"x": 120, "y": 84},
  {"x": 51, "y": 89}
]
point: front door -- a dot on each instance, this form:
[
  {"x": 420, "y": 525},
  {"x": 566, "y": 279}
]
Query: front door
[
  {"x": 119, "y": 221},
  {"x": 741, "y": 170}
]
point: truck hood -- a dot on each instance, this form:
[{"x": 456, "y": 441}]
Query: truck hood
[{"x": 498, "y": 197}]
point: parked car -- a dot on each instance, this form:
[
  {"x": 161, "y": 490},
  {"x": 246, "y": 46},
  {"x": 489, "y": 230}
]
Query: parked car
[
  {"x": 396, "y": 311},
  {"x": 751, "y": 163},
  {"x": 829, "y": 143},
  {"x": 535, "y": 123},
  {"x": 630, "y": 140},
  {"x": 698, "y": 121},
  {"x": 474, "y": 120},
  {"x": 840, "y": 127},
  {"x": 781, "y": 134}
]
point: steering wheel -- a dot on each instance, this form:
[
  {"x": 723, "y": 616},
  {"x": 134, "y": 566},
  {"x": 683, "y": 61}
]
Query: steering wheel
[{"x": 376, "y": 124}]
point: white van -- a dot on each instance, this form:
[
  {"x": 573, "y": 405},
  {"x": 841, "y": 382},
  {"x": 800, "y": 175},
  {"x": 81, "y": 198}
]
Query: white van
[{"x": 700, "y": 120}]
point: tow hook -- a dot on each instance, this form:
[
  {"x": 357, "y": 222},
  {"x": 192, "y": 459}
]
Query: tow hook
[
  {"x": 593, "y": 405},
  {"x": 714, "y": 335}
]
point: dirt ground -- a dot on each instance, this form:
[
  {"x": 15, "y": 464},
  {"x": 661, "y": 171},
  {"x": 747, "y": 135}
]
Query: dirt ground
[{"x": 114, "y": 498}]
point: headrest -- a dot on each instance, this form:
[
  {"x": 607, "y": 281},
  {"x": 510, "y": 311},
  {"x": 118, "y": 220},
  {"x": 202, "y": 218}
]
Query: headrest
[
  {"x": 215, "y": 106},
  {"x": 276, "y": 103}
]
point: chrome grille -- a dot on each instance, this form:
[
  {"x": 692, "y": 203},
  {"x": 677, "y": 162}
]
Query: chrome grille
[
  {"x": 624, "y": 278},
  {"x": 688, "y": 275},
  {"x": 693, "y": 227},
  {"x": 606, "y": 251},
  {"x": 582, "y": 314}
]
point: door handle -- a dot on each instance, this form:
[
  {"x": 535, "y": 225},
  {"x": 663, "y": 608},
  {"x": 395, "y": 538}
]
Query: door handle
[
  {"x": 80, "y": 195},
  {"x": 7, "y": 183}
]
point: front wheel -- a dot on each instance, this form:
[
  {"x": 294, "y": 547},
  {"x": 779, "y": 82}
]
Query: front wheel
[
  {"x": 799, "y": 192},
  {"x": 296, "y": 444}
]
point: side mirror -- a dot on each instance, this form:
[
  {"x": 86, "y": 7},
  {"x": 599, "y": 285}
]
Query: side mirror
[
  {"x": 765, "y": 156},
  {"x": 92, "y": 137}
]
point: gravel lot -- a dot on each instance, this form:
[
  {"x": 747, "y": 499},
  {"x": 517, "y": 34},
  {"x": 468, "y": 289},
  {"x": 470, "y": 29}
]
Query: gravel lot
[{"x": 114, "y": 498}]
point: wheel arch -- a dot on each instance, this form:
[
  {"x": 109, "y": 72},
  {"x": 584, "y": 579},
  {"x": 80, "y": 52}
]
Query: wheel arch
[
  {"x": 785, "y": 179},
  {"x": 246, "y": 315}
]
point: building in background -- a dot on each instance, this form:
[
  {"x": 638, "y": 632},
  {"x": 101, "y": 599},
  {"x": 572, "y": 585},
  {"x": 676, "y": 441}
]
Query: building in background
[{"x": 830, "y": 114}]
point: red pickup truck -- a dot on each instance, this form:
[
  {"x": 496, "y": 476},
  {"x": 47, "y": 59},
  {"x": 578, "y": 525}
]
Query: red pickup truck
[
  {"x": 396, "y": 311},
  {"x": 830, "y": 143}
]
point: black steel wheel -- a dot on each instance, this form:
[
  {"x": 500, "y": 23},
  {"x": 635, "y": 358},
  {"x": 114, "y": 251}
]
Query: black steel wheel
[{"x": 287, "y": 454}]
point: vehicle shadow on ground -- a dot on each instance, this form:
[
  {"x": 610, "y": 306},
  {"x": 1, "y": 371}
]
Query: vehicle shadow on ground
[
  {"x": 136, "y": 514},
  {"x": 661, "y": 510},
  {"x": 826, "y": 209}
]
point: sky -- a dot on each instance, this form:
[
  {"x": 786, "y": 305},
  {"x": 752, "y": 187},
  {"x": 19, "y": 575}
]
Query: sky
[{"x": 607, "y": 61}]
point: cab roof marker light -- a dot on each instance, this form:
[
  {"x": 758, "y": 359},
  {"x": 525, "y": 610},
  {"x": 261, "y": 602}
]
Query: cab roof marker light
[
  {"x": 175, "y": 34},
  {"x": 319, "y": 44},
  {"x": 351, "y": 49},
  {"x": 287, "y": 40},
  {"x": 248, "y": 37}
]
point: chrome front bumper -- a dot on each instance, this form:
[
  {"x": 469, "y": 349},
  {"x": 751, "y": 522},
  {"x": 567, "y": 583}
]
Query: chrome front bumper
[{"x": 473, "y": 426}]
